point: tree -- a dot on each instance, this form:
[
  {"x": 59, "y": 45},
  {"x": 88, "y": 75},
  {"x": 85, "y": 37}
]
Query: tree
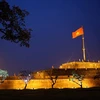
[
  {"x": 3, "y": 75},
  {"x": 97, "y": 75},
  {"x": 53, "y": 76},
  {"x": 26, "y": 76},
  {"x": 77, "y": 78},
  {"x": 12, "y": 24}
]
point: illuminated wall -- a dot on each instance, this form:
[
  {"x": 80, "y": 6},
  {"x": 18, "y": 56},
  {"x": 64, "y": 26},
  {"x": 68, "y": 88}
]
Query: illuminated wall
[
  {"x": 81, "y": 65},
  {"x": 46, "y": 83},
  {"x": 41, "y": 79}
]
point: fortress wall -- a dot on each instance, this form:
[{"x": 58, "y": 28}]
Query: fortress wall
[
  {"x": 40, "y": 83},
  {"x": 12, "y": 84},
  {"x": 66, "y": 83},
  {"x": 81, "y": 65},
  {"x": 46, "y": 83}
]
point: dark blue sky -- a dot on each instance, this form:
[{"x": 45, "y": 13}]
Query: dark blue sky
[{"x": 53, "y": 22}]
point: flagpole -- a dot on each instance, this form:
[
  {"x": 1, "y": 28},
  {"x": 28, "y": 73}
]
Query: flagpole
[{"x": 83, "y": 48}]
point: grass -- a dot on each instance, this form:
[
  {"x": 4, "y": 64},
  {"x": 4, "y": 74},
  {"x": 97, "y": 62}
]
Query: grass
[{"x": 49, "y": 94}]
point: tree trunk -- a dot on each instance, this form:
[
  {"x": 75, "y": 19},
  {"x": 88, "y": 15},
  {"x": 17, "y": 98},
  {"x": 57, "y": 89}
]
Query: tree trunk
[
  {"x": 52, "y": 85},
  {"x": 25, "y": 86},
  {"x": 81, "y": 85}
]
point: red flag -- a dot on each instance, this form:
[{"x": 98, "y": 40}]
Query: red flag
[{"x": 78, "y": 32}]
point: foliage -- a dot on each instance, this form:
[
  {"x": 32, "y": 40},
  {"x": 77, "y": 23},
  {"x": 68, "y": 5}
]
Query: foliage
[
  {"x": 26, "y": 76},
  {"x": 97, "y": 76},
  {"x": 77, "y": 78},
  {"x": 12, "y": 24},
  {"x": 3, "y": 75}
]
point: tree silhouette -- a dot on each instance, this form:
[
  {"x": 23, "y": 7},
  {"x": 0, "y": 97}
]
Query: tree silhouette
[
  {"x": 12, "y": 24},
  {"x": 26, "y": 76},
  {"x": 76, "y": 78},
  {"x": 53, "y": 77}
]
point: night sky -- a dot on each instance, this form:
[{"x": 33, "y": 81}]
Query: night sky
[{"x": 53, "y": 22}]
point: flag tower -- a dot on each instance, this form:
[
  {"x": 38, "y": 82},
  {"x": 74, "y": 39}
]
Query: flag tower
[{"x": 77, "y": 33}]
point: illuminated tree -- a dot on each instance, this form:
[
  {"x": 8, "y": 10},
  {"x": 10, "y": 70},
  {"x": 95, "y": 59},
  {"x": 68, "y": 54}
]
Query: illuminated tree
[
  {"x": 26, "y": 76},
  {"x": 12, "y": 24},
  {"x": 77, "y": 78},
  {"x": 3, "y": 75}
]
